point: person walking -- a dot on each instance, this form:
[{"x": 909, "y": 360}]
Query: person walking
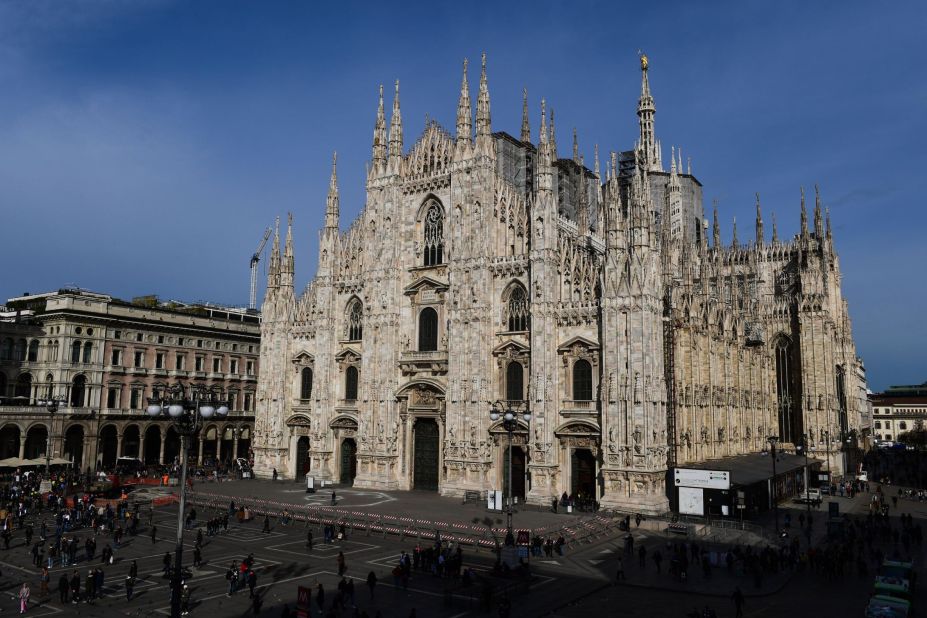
[
  {"x": 371, "y": 582},
  {"x": 130, "y": 586},
  {"x": 309, "y": 539},
  {"x": 252, "y": 582},
  {"x": 341, "y": 565},
  {"x": 620, "y": 574},
  {"x": 738, "y": 598},
  {"x": 266, "y": 529},
  {"x": 45, "y": 578},
  {"x": 64, "y": 587},
  {"x": 24, "y": 598},
  {"x": 320, "y": 597},
  {"x": 154, "y": 538},
  {"x": 334, "y": 499},
  {"x": 197, "y": 557}
]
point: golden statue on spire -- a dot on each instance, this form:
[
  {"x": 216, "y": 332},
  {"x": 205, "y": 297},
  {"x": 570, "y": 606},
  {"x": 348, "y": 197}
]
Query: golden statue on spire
[{"x": 643, "y": 62}]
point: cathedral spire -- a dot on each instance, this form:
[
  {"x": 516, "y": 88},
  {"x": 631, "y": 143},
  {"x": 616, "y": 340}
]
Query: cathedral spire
[
  {"x": 734, "y": 242},
  {"x": 582, "y": 222},
  {"x": 525, "y": 125},
  {"x": 464, "y": 127},
  {"x": 818, "y": 220},
  {"x": 332, "y": 206},
  {"x": 645, "y": 113},
  {"x": 553, "y": 138},
  {"x": 395, "y": 133},
  {"x": 716, "y": 229},
  {"x": 775, "y": 233},
  {"x": 379, "y": 136},
  {"x": 673, "y": 160},
  {"x": 287, "y": 265},
  {"x": 595, "y": 162},
  {"x": 273, "y": 270},
  {"x": 827, "y": 219},
  {"x": 759, "y": 223},
  {"x": 483, "y": 117},
  {"x": 804, "y": 215},
  {"x": 575, "y": 147}
]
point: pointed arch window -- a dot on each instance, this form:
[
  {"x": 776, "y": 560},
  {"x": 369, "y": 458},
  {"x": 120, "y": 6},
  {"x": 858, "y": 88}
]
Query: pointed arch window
[
  {"x": 305, "y": 387},
  {"x": 428, "y": 330},
  {"x": 582, "y": 380},
  {"x": 350, "y": 383},
  {"x": 49, "y": 385},
  {"x": 517, "y": 310},
  {"x": 515, "y": 381},
  {"x": 356, "y": 321},
  {"x": 787, "y": 391},
  {"x": 434, "y": 235}
]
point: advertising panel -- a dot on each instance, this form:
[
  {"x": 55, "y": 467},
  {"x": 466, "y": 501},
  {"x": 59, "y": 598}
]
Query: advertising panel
[
  {"x": 691, "y": 501},
  {"x": 707, "y": 479}
]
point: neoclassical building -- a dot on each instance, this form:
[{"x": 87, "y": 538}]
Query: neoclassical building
[
  {"x": 486, "y": 267},
  {"x": 103, "y": 358}
]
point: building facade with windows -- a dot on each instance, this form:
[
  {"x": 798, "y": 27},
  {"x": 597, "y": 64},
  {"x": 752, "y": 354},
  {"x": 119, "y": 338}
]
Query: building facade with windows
[
  {"x": 898, "y": 410},
  {"x": 486, "y": 267},
  {"x": 103, "y": 358}
]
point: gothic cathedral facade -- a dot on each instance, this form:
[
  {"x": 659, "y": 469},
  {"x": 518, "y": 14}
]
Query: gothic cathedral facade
[{"x": 486, "y": 270}]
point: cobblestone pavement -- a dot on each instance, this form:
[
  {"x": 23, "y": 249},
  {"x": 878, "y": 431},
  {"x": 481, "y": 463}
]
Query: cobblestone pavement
[{"x": 578, "y": 583}]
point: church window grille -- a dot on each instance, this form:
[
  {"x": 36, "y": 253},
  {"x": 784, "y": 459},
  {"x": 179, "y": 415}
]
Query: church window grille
[
  {"x": 582, "y": 381},
  {"x": 515, "y": 381},
  {"x": 428, "y": 330},
  {"x": 434, "y": 236},
  {"x": 518, "y": 314},
  {"x": 350, "y": 383},
  {"x": 305, "y": 389},
  {"x": 355, "y": 322}
]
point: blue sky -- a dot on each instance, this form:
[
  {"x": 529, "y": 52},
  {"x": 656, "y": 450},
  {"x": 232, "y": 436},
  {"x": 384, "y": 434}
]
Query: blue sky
[{"x": 146, "y": 144}]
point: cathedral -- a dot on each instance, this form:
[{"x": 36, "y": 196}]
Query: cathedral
[{"x": 487, "y": 271}]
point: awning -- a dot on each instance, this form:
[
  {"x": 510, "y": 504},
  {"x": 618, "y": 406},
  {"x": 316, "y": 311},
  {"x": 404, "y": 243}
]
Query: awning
[
  {"x": 755, "y": 467},
  {"x": 14, "y": 462}
]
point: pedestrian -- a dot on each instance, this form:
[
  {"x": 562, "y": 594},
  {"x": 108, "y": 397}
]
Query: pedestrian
[
  {"x": 266, "y": 529},
  {"x": 738, "y": 598},
  {"x": 75, "y": 587},
  {"x": 46, "y": 577},
  {"x": 620, "y": 574},
  {"x": 133, "y": 570},
  {"x": 309, "y": 539},
  {"x": 185, "y": 600},
  {"x": 341, "y": 566},
  {"x": 130, "y": 586},
  {"x": 274, "y": 475},
  {"x": 23, "y": 598},
  {"x": 657, "y": 559},
  {"x": 642, "y": 557},
  {"x": 334, "y": 499},
  {"x": 197, "y": 557},
  {"x": 320, "y": 597},
  {"x": 371, "y": 582},
  {"x": 252, "y": 582},
  {"x": 89, "y": 590},
  {"x": 154, "y": 531},
  {"x": 63, "y": 588}
]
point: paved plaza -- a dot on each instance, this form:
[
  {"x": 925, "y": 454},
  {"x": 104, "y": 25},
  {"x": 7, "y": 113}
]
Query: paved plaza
[{"x": 579, "y": 583}]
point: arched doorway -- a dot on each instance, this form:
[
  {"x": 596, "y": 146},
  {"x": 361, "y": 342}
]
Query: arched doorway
[
  {"x": 171, "y": 446},
  {"x": 518, "y": 473},
  {"x": 302, "y": 456},
  {"x": 228, "y": 444},
  {"x": 108, "y": 445},
  {"x": 9, "y": 441},
  {"x": 78, "y": 391},
  {"x": 74, "y": 445},
  {"x": 244, "y": 442},
  {"x": 209, "y": 446},
  {"x": 348, "y": 461},
  {"x": 426, "y": 453},
  {"x": 152, "y": 450},
  {"x": 36, "y": 441},
  {"x": 582, "y": 474},
  {"x": 131, "y": 442}
]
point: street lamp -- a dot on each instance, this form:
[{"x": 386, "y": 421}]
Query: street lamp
[
  {"x": 509, "y": 416},
  {"x": 772, "y": 451},
  {"x": 51, "y": 404},
  {"x": 185, "y": 411},
  {"x": 803, "y": 448}
]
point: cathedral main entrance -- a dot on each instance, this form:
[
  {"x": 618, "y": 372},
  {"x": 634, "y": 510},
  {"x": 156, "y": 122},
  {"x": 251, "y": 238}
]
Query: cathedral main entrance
[
  {"x": 302, "y": 456},
  {"x": 582, "y": 474},
  {"x": 425, "y": 465},
  {"x": 518, "y": 473},
  {"x": 348, "y": 461}
]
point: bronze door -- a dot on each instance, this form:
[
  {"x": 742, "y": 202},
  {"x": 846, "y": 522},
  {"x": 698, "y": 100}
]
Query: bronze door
[
  {"x": 426, "y": 455},
  {"x": 302, "y": 456},
  {"x": 348, "y": 462},
  {"x": 583, "y": 474}
]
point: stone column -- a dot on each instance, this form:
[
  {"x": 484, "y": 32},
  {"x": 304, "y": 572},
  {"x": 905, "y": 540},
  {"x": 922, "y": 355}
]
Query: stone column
[
  {"x": 235, "y": 443},
  {"x": 118, "y": 445},
  {"x": 199, "y": 452},
  {"x": 218, "y": 446},
  {"x": 161, "y": 452},
  {"x": 22, "y": 446}
]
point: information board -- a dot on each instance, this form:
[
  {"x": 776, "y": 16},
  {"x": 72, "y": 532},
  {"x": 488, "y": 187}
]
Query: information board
[{"x": 707, "y": 479}]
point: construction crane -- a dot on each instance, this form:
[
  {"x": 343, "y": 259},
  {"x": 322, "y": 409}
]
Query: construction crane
[{"x": 254, "y": 262}]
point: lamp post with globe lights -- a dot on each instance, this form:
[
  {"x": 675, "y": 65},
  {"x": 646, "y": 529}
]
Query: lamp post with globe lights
[
  {"x": 186, "y": 410},
  {"x": 51, "y": 404},
  {"x": 509, "y": 416}
]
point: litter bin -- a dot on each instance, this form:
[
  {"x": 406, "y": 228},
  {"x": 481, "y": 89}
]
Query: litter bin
[{"x": 310, "y": 484}]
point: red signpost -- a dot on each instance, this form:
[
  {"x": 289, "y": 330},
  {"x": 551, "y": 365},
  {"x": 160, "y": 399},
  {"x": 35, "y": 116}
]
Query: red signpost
[{"x": 302, "y": 602}]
